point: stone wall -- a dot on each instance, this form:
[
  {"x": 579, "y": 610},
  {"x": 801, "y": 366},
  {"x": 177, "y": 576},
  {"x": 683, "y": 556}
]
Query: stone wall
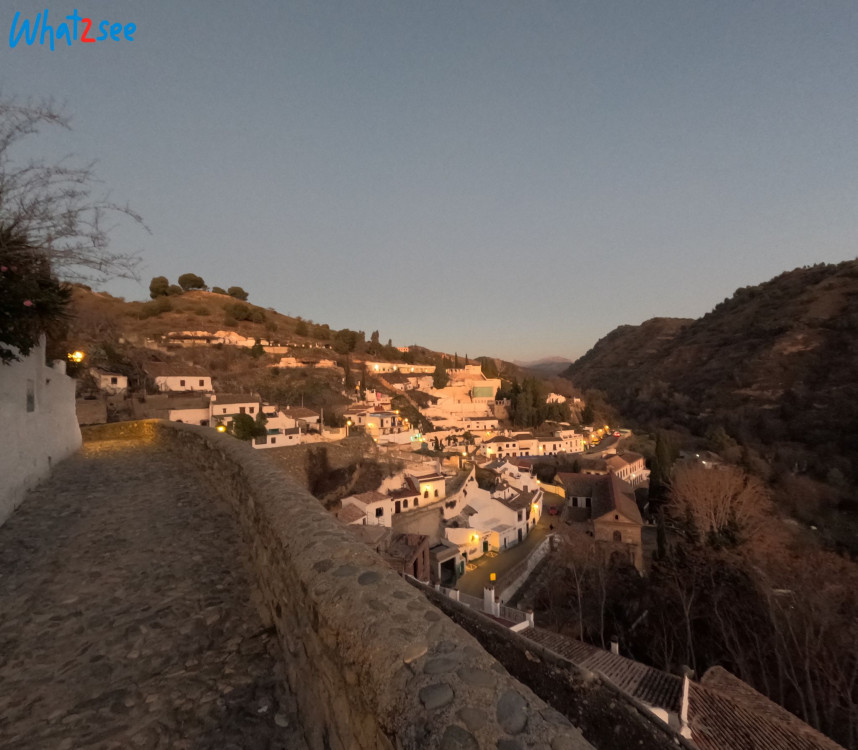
[
  {"x": 607, "y": 717},
  {"x": 37, "y": 412},
  {"x": 372, "y": 663}
]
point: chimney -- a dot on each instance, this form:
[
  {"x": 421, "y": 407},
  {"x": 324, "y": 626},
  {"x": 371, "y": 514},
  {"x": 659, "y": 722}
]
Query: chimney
[{"x": 615, "y": 645}]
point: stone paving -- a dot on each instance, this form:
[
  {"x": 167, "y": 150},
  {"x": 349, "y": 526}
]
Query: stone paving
[{"x": 125, "y": 615}]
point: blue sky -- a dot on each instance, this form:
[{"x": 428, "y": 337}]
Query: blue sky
[{"x": 505, "y": 178}]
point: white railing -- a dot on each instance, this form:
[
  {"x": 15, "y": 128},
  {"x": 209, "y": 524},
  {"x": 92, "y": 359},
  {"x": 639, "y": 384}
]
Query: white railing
[
  {"x": 487, "y": 605},
  {"x": 513, "y": 615}
]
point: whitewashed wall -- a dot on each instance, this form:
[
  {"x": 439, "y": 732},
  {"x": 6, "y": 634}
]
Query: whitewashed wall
[{"x": 35, "y": 432}]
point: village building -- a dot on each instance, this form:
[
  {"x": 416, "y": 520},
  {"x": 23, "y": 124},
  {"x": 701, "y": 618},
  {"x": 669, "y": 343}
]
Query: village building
[
  {"x": 628, "y": 466},
  {"x": 224, "y": 407},
  {"x": 178, "y": 377},
  {"x": 111, "y": 383},
  {"x": 609, "y": 504}
]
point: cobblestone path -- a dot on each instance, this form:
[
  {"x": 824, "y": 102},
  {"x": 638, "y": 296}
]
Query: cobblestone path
[{"x": 125, "y": 615}]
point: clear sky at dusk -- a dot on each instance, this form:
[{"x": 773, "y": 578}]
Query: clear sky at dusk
[{"x": 505, "y": 178}]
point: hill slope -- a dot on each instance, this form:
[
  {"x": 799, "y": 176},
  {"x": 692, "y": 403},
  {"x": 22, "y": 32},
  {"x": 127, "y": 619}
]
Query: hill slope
[{"x": 775, "y": 365}]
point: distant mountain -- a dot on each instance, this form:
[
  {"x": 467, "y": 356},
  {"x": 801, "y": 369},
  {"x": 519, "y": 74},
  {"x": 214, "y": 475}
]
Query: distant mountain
[
  {"x": 547, "y": 367},
  {"x": 775, "y": 365}
]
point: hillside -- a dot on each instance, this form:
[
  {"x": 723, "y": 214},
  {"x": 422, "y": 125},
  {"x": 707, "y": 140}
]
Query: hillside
[
  {"x": 774, "y": 365},
  {"x": 124, "y": 336}
]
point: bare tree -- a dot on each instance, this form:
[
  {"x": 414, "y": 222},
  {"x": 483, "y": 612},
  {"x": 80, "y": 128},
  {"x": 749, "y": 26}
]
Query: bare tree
[
  {"x": 717, "y": 504},
  {"x": 54, "y": 205}
]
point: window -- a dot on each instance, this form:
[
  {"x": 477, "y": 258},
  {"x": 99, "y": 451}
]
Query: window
[
  {"x": 379, "y": 512},
  {"x": 273, "y": 440},
  {"x": 416, "y": 502},
  {"x": 426, "y": 493},
  {"x": 405, "y": 503},
  {"x": 251, "y": 409},
  {"x": 241, "y": 410},
  {"x": 182, "y": 383},
  {"x": 618, "y": 537},
  {"x": 114, "y": 381},
  {"x": 202, "y": 383},
  {"x": 520, "y": 515},
  {"x": 436, "y": 493}
]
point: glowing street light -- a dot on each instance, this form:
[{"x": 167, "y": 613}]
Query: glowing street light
[{"x": 76, "y": 356}]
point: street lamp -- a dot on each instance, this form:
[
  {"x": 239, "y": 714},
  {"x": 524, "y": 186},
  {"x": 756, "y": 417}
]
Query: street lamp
[{"x": 348, "y": 424}]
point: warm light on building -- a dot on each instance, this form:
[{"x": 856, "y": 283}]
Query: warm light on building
[
  {"x": 221, "y": 428},
  {"x": 76, "y": 356}
]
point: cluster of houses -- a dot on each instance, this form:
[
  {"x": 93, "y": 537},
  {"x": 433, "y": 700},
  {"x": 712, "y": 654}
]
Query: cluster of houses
[
  {"x": 185, "y": 394},
  {"x": 464, "y": 520}
]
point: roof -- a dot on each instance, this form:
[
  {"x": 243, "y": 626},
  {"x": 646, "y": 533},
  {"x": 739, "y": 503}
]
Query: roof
[
  {"x": 429, "y": 477},
  {"x": 299, "y": 412},
  {"x": 647, "y": 684},
  {"x": 520, "y": 501},
  {"x": 235, "y": 398},
  {"x": 174, "y": 369},
  {"x": 613, "y": 494},
  {"x": 631, "y": 457},
  {"x": 365, "y": 498},
  {"x": 409, "y": 490},
  {"x": 110, "y": 373},
  {"x": 725, "y": 713},
  {"x": 406, "y": 546},
  {"x": 443, "y": 550},
  {"x": 350, "y": 514},
  {"x": 577, "y": 485}
]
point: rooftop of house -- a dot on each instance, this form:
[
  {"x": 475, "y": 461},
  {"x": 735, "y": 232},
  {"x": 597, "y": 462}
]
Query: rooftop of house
[
  {"x": 434, "y": 477},
  {"x": 613, "y": 494},
  {"x": 365, "y": 498},
  {"x": 725, "y": 712},
  {"x": 647, "y": 684},
  {"x": 406, "y": 546},
  {"x": 350, "y": 513},
  {"x": 174, "y": 369},
  {"x": 409, "y": 490},
  {"x": 227, "y": 399},
  {"x": 577, "y": 484},
  {"x": 299, "y": 412},
  {"x": 105, "y": 373},
  {"x": 520, "y": 501}
]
